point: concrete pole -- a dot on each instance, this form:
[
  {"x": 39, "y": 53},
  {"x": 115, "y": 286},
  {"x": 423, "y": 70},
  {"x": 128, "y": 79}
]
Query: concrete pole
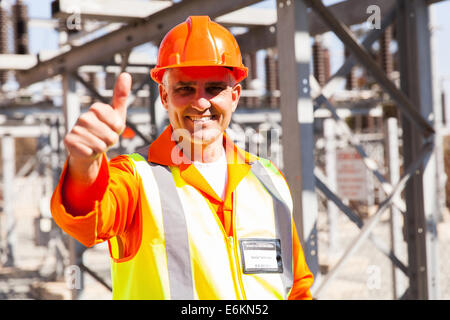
[
  {"x": 9, "y": 168},
  {"x": 71, "y": 104},
  {"x": 441, "y": 177},
  {"x": 421, "y": 191},
  {"x": 396, "y": 220},
  {"x": 297, "y": 120},
  {"x": 330, "y": 170},
  {"x": 153, "y": 93}
]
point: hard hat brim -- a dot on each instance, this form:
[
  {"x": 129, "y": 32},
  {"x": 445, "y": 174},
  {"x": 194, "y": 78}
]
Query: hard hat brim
[{"x": 157, "y": 73}]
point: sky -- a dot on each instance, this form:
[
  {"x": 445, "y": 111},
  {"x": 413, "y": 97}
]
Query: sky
[
  {"x": 441, "y": 13},
  {"x": 44, "y": 39}
]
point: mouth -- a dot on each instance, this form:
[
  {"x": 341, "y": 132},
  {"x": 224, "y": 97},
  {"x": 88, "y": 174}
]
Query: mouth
[{"x": 202, "y": 119}]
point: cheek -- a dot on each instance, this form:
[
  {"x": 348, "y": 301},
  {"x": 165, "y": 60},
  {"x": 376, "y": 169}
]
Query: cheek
[
  {"x": 223, "y": 104},
  {"x": 175, "y": 117},
  {"x": 176, "y": 106}
]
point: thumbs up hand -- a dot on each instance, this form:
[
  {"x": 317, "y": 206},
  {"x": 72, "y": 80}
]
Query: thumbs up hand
[{"x": 98, "y": 129}]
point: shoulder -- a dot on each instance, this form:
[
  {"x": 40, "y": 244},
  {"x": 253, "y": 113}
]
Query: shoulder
[
  {"x": 270, "y": 166},
  {"x": 126, "y": 163},
  {"x": 277, "y": 179}
]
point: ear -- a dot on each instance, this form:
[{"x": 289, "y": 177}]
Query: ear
[
  {"x": 235, "y": 95},
  {"x": 163, "y": 95}
]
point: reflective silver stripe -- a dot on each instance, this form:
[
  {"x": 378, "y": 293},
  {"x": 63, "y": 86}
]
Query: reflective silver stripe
[
  {"x": 175, "y": 236},
  {"x": 283, "y": 223}
]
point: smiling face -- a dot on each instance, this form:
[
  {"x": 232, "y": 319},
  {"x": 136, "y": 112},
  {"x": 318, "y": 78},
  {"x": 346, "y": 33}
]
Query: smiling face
[{"x": 200, "y": 102}]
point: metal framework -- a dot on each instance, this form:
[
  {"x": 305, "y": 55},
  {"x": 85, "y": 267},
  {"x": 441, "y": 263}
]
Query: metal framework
[
  {"x": 124, "y": 39},
  {"x": 420, "y": 139},
  {"x": 300, "y": 96}
]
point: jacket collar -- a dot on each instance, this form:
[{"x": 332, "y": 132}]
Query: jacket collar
[{"x": 164, "y": 151}]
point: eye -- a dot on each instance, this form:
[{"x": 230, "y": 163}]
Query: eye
[
  {"x": 185, "y": 90},
  {"x": 215, "y": 89}
]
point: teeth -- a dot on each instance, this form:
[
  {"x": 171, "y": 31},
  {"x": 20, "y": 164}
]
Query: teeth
[{"x": 195, "y": 118}]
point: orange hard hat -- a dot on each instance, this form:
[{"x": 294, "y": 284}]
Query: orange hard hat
[{"x": 199, "y": 42}]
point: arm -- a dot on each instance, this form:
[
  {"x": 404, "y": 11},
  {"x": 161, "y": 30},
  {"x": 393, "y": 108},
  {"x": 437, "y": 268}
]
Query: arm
[
  {"x": 303, "y": 278},
  {"x": 84, "y": 186},
  {"x": 113, "y": 199},
  {"x": 92, "y": 135}
]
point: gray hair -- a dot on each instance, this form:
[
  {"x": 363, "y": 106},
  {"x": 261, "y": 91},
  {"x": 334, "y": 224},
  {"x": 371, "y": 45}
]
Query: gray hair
[{"x": 165, "y": 79}]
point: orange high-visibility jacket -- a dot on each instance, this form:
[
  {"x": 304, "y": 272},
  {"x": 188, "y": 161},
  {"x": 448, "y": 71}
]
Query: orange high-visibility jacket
[{"x": 172, "y": 237}]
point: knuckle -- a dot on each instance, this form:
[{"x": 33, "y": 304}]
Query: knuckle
[
  {"x": 118, "y": 125},
  {"x": 76, "y": 130},
  {"x": 84, "y": 119},
  {"x": 96, "y": 105},
  {"x": 99, "y": 107},
  {"x": 68, "y": 140},
  {"x": 111, "y": 139},
  {"x": 100, "y": 147}
]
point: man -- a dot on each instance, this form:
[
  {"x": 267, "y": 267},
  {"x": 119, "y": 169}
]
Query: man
[{"x": 192, "y": 216}]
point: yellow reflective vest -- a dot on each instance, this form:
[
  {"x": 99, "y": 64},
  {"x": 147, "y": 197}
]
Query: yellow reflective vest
[{"x": 185, "y": 252}]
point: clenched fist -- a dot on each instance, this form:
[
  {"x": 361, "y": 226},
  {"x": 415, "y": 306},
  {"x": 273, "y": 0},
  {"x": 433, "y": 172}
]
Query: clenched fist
[
  {"x": 95, "y": 131},
  {"x": 99, "y": 128}
]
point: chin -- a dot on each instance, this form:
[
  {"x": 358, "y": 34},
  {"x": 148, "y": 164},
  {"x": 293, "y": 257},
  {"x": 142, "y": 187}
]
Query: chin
[
  {"x": 202, "y": 140},
  {"x": 205, "y": 138}
]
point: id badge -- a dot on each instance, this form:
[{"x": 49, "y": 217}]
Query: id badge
[{"x": 261, "y": 256}]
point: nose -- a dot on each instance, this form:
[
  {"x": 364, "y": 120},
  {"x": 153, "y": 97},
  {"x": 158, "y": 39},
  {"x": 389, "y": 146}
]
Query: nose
[
  {"x": 201, "y": 104},
  {"x": 201, "y": 101}
]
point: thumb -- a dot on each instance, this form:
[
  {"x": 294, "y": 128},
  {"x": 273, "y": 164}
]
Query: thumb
[{"x": 122, "y": 90}]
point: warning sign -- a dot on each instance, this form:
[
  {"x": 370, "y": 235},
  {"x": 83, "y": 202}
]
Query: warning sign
[{"x": 351, "y": 175}]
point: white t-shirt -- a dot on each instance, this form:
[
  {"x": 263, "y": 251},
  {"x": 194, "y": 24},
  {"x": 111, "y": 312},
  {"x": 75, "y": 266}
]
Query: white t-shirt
[{"x": 215, "y": 173}]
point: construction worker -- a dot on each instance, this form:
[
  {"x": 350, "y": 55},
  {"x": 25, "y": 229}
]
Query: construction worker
[{"x": 191, "y": 216}]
